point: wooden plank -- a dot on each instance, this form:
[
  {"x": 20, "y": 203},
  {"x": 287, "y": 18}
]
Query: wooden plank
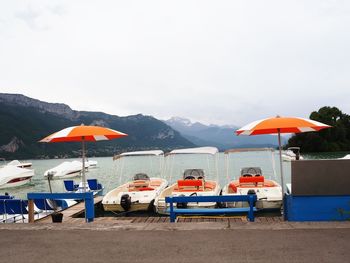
[
  {"x": 70, "y": 212},
  {"x": 31, "y": 211}
]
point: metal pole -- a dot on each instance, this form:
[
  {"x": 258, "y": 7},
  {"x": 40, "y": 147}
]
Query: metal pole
[
  {"x": 49, "y": 178},
  {"x": 83, "y": 154},
  {"x": 83, "y": 177},
  {"x": 280, "y": 151}
]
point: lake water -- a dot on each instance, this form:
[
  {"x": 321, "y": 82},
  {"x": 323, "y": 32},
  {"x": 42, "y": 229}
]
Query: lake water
[{"x": 109, "y": 172}]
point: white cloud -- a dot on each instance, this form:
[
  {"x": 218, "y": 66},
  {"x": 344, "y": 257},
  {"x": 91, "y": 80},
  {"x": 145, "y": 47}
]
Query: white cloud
[{"x": 227, "y": 62}]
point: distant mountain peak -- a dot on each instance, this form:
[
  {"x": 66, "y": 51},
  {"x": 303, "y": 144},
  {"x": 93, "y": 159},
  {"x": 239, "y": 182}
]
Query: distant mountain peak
[{"x": 221, "y": 136}]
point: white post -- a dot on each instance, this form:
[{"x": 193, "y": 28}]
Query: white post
[{"x": 281, "y": 167}]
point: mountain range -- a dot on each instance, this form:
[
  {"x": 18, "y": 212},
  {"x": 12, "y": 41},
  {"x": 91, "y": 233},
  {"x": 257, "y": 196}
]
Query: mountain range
[
  {"x": 222, "y": 137},
  {"x": 24, "y": 121}
]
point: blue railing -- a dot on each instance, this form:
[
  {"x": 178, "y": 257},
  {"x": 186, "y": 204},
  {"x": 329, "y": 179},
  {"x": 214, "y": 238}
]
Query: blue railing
[
  {"x": 88, "y": 197},
  {"x": 174, "y": 211}
]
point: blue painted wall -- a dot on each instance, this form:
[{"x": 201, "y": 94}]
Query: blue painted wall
[{"x": 317, "y": 208}]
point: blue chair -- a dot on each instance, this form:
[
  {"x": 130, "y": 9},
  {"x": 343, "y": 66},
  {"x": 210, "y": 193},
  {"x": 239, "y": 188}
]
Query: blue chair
[
  {"x": 61, "y": 204},
  {"x": 94, "y": 185},
  {"x": 3, "y": 209},
  {"x": 70, "y": 186},
  {"x": 16, "y": 207},
  {"x": 42, "y": 204},
  {"x": 6, "y": 197}
]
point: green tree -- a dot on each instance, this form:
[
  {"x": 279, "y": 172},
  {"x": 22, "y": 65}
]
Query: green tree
[{"x": 336, "y": 138}]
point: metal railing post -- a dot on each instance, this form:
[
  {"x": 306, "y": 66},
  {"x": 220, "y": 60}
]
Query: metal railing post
[{"x": 89, "y": 207}]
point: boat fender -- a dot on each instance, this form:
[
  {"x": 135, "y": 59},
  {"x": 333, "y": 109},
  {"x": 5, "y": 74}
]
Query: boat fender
[
  {"x": 125, "y": 202},
  {"x": 181, "y": 205}
]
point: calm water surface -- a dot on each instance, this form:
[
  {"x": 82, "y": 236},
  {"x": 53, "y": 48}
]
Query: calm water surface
[{"x": 112, "y": 173}]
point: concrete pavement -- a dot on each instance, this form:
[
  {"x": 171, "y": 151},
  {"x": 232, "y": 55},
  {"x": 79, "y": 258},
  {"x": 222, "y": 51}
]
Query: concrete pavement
[{"x": 182, "y": 242}]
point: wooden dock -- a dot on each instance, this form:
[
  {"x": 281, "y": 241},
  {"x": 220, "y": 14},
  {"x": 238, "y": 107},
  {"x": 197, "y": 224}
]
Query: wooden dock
[{"x": 71, "y": 216}]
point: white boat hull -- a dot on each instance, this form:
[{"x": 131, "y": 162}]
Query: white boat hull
[
  {"x": 65, "y": 170},
  {"x": 267, "y": 198},
  {"x": 12, "y": 176},
  {"x": 140, "y": 200},
  {"x": 16, "y": 184}
]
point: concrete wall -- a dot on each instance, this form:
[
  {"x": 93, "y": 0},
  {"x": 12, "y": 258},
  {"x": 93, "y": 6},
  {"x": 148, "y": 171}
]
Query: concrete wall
[{"x": 320, "y": 177}]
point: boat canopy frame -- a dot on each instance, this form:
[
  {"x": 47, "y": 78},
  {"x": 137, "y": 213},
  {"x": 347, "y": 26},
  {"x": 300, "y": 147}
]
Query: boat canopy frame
[
  {"x": 210, "y": 152},
  {"x": 239, "y": 150},
  {"x": 150, "y": 153}
]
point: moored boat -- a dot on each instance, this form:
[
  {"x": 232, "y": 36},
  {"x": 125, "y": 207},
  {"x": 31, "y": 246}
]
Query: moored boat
[
  {"x": 139, "y": 193},
  {"x": 13, "y": 176},
  {"x": 193, "y": 178},
  {"x": 64, "y": 170},
  {"x": 252, "y": 181},
  {"x": 291, "y": 154},
  {"x": 91, "y": 164}
]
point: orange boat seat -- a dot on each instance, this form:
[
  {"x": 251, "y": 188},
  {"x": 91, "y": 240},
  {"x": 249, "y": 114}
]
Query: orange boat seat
[
  {"x": 190, "y": 183},
  {"x": 184, "y": 185},
  {"x": 249, "y": 180}
]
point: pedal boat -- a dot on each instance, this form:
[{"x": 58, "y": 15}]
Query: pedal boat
[
  {"x": 251, "y": 181},
  {"x": 192, "y": 184},
  {"x": 136, "y": 195},
  {"x": 139, "y": 193},
  {"x": 195, "y": 180}
]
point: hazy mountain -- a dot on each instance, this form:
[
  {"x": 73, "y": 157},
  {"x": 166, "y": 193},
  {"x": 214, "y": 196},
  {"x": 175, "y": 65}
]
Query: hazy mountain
[
  {"x": 24, "y": 121},
  {"x": 222, "y": 137}
]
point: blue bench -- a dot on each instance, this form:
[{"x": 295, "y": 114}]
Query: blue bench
[{"x": 174, "y": 211}]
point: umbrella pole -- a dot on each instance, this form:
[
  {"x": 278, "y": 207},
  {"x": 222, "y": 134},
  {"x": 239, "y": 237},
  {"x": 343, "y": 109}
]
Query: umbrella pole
[
  {"x": 280, "y": 152},
  {"x": 83, "y": 177}
]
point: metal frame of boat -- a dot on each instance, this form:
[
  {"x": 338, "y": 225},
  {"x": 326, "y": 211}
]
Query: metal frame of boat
[
  {"x": 268, "y": 191},
  {"x": 192, "y": 183},
  {"x": 138, "y": 194}
]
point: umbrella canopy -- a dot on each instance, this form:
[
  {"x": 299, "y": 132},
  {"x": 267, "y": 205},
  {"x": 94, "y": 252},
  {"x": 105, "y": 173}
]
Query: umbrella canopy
[
  {"x": 278, "y": 125},
  {"x": 281, "y": 125},
  {"x": 83, "y": 133}
]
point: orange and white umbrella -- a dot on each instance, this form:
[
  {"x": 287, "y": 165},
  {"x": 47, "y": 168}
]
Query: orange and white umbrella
[
  {"x": 83, "y": 133},
  {"x": 281, "y": 125},
  {"x": 278, "y": 125}
]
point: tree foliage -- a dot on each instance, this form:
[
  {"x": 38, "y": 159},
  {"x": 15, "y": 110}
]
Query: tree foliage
[{"x": 336, "y": 138}]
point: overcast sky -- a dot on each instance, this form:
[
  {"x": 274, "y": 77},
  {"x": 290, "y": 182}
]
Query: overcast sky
[{"x": 221, "y": 62}]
